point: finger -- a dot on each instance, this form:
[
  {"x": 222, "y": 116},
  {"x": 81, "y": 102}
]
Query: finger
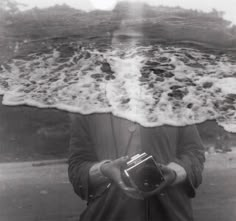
[
  {"x": 155, "y": 191},
  {"x": 134, "y": 195},
  {"x": 169, "y": 174},
  {"x": 124, "y": 187},
  {"x": 170, "y": 178},
  {"x": 121, "y": 161},
  {"x": 131, "y": 192},
  {"x": 164, "y": 168}
]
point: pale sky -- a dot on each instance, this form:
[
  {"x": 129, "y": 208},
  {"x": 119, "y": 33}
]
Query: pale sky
[{"x": 228, "y": 6}]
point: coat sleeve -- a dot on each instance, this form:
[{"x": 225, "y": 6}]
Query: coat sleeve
[
  {"x": 81, "y": 155},
  {"x": 191, "y": 156}
]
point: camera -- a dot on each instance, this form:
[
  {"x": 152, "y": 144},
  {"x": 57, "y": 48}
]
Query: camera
[{"x": 143, "y": 173}]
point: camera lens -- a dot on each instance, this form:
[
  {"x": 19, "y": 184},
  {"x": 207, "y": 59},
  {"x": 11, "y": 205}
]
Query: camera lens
[{"x": 148, "y": 178}]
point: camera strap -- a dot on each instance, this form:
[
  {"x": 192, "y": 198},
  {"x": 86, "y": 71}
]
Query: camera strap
[
  {"x": 131, "y": 129},
  {"x": 147, "y": 210}
]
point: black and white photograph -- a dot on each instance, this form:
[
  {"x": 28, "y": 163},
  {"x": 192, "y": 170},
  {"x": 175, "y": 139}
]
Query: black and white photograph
[{"x": 117, "y": 110}]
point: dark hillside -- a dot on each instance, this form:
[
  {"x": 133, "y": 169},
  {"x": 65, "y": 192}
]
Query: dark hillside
[{"x": 159, "y": 22}]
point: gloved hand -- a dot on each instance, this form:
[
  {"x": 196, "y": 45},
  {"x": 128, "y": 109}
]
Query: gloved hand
[
  {"x": 169, "y": 174},
  {"x": 112, "y": 170}
]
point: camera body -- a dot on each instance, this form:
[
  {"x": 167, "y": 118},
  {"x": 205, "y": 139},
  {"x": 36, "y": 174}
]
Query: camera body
[{"x": 143, "y": 173}]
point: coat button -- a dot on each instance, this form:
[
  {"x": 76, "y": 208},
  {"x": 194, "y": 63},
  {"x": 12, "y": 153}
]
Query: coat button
[
  {"x": 132, "y": 128},
  {"x": 162, "y": 194}
]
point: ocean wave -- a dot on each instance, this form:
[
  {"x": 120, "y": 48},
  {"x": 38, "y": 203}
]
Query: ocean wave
[{"x": 152, "y": 84}]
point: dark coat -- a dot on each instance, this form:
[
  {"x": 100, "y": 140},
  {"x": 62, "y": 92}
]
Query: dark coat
[{"x": 92, "y": 140}]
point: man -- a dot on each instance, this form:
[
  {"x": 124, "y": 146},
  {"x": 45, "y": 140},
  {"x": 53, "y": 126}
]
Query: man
[{"x": 100, "y": 146}]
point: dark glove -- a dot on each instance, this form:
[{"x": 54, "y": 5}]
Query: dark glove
[{"x": 112, "y": 170}]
